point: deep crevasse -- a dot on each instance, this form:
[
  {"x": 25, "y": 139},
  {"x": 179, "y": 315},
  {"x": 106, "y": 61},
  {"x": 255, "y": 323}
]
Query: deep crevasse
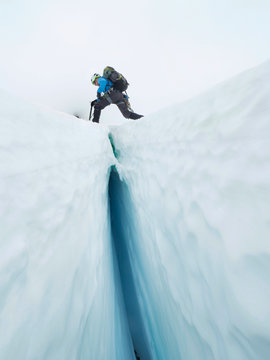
[{"x": 191, "y": 214}]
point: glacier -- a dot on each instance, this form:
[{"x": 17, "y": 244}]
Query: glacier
[{"x": 152, "y": 235}]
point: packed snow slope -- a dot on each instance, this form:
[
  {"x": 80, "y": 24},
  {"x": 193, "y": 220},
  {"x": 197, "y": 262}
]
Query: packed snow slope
[
  {"x": 194, "y": 210},
  {"x": 59, "y": 295}
]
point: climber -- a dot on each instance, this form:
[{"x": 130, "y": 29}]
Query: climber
[{"x": 110, "y": 91}]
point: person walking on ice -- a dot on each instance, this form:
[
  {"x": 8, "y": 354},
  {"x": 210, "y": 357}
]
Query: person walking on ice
[{"x": 110, "y": 91}]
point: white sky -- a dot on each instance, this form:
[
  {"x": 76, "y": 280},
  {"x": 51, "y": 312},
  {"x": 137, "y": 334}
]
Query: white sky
[{"x": 168, "y": 50}]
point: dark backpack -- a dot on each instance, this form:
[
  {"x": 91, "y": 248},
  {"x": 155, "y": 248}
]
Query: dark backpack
[{"x": 118, "y": 80}]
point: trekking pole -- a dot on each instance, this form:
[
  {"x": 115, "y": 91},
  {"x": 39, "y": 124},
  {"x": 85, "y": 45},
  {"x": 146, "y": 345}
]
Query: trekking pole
[{"x": 90, "y": 115}]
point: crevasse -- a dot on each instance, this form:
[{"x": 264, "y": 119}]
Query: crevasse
[{"x": 122, "y": 228}]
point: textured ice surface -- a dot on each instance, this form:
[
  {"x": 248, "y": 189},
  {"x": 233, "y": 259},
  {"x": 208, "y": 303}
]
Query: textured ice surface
[
  {"x": 190, "y": 223},
  {"x": 196, "y": 218},
  {"x": 58, "y": 291}
]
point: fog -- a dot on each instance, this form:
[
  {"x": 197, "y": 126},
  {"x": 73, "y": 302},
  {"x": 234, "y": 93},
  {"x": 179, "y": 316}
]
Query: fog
[{"x": 168, "y": 51}]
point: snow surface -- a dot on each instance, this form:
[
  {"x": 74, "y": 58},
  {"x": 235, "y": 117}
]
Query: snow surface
[
  {"x": 195, "y": 208},
  {"x": 187, "y": 223}
]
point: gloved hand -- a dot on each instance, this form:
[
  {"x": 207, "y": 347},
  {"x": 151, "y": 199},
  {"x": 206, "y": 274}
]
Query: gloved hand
[
  {"x": 93, "y": 103},
  {"x": 99, "y": 95}
]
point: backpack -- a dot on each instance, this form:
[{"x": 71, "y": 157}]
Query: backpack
[{"x": 118, "y": 80}]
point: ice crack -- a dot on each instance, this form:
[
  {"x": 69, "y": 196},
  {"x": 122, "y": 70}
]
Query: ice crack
[{"x": 122, "y": 224}]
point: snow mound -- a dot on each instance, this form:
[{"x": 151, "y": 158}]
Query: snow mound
[{"x": 195, "y": 208}]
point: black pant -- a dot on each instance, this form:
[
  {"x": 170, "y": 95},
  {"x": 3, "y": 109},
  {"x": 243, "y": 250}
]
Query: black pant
[{"x": 114, "y": 97}]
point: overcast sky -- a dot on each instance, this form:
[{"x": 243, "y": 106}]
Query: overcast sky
[{"x": 168, "y": 50}]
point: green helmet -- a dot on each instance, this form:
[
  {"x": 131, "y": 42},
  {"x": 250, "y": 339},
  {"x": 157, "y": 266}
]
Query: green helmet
[{"x": 94, "y": 78}]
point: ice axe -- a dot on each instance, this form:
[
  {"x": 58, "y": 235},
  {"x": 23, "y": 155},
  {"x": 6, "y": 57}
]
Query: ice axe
[{"x": 92, "y": 104}]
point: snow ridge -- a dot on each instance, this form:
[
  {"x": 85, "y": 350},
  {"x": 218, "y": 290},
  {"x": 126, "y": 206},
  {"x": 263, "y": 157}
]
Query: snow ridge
[
  {"x": 198, "y": 178},
  {"x": 59, "y": 294}
]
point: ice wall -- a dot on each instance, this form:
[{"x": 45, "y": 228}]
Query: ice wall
[
  {"x": 194, "y": 203},
  {"x": 59, "y": 295},
  {"x": 187, "y": 225}
]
